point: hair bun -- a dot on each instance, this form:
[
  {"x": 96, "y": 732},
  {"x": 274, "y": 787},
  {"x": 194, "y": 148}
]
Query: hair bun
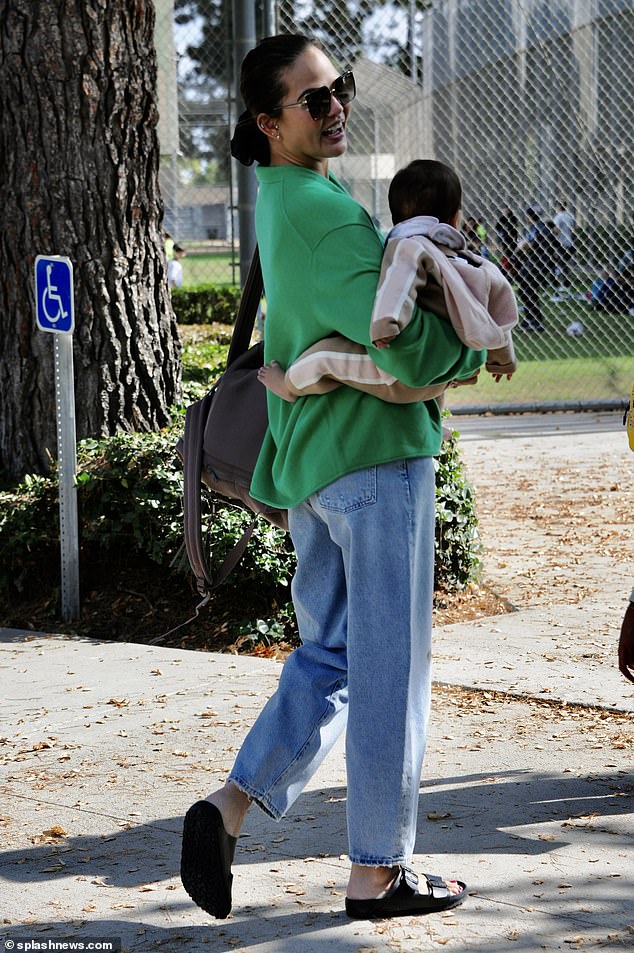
[{"x": 249, "y": 143}]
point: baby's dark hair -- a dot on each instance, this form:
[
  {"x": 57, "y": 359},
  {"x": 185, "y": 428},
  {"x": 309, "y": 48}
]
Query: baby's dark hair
[
  {"x": 263, "y": 89},
  {"x": 425, "y": 187}
]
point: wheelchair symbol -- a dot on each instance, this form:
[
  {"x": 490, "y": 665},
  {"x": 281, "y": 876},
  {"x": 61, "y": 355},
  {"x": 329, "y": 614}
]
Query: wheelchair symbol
[
  {"x": 51, "y": 300},
  {"x": 54, "y": 305}
]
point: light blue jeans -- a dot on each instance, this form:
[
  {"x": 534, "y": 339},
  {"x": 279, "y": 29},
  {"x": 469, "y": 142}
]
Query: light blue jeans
[{"x": 363, "y": 597}]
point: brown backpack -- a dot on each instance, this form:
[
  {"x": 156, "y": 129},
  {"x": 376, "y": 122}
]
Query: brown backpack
[{"x": 222, "y": 441}]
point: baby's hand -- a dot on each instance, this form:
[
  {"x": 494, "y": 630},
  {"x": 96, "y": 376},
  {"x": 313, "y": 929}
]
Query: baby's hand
[
  {"x": 498, "y": 377},
  {"x": 382, "y": 343}
]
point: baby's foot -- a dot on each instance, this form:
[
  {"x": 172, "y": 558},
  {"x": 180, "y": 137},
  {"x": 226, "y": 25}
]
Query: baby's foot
[{"x": 274, "y": 378}]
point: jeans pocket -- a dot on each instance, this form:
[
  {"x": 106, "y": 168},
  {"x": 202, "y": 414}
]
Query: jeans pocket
[{"x": 350, "y": 492}]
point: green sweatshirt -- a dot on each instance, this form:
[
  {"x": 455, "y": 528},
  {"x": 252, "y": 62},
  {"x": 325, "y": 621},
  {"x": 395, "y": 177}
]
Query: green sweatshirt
[{"x": 321, "y": 257}]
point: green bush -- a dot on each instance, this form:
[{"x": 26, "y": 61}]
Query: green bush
[
  {"x": 205, "y": 303},
  {"x": 129, "y": 497},
  {"x": 130, "y": 504},
  {"x": 204, "y": 361},
  {"x": 130, "y": 501},
  {"x": 29, "y": 534},
  {"x": 457, "y": 557}
]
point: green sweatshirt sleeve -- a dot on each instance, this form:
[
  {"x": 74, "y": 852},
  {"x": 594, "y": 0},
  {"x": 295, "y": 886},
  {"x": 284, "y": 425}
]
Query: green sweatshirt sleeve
[
  {"x": 346, "y": 266},
  {"x": 427, "y": 351}
]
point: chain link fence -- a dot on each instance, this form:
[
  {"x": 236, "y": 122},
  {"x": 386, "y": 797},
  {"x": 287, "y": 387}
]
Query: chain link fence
[{"x": 531, "y": 101}]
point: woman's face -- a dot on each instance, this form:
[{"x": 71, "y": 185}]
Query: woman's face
[{"x": 295, "y": 137}]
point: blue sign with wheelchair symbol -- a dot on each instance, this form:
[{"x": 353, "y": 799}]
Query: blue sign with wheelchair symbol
[{"x": 54, "y": 305}]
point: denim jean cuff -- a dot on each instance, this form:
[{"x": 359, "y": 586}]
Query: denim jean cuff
[
  {"x": 366, "y": 861},
  {"x": 259, "y": 799}
]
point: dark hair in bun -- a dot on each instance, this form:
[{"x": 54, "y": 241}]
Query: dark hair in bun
[
  {"x": 249, "y": 143},
  {"x": 263, "y": 89}
]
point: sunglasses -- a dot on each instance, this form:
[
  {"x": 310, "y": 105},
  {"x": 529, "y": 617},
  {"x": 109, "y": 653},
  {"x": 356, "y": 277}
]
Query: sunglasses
[{"x": 319, "y": 101}]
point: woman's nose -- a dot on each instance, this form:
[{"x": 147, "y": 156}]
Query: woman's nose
[{"x": 335, "y": 105}]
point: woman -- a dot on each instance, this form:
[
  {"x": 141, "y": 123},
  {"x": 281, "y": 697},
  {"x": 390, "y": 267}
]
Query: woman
[{"x": 357, "y": 475}]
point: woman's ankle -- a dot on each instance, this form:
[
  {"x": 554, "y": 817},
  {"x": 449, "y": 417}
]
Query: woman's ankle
[
  {"x": 370, "y": 883},
  {"x": 233, "y": 805}
]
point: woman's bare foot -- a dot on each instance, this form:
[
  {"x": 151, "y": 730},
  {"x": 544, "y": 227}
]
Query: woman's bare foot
[
  {"x": 273, "y": 377},
  {"x": 233, "y": 805}
]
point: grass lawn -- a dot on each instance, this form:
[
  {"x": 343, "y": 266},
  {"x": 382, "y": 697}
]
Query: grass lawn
[
  {"x": 213, "y": 267},
  {"x": 554, "y": 366}
]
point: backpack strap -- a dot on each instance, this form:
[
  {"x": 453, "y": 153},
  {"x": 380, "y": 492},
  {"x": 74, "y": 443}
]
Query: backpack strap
[
  {"x": 249, "y": 302},
  {"x": 192, "y": 450}
]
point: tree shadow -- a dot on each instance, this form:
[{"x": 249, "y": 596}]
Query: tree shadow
[{"x": 474, "y": 814}]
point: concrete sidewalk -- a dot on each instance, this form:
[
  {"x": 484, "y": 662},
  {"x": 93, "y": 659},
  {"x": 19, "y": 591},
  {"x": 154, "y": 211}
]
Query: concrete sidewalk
[
  {"x": 527, "y": 795},
  {"x": 107, "y": 744}
]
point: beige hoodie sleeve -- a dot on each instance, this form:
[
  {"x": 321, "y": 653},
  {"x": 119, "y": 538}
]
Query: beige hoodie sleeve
[
  {"x": 404, "y": 273},
  {"x": 334, "y": 361}
]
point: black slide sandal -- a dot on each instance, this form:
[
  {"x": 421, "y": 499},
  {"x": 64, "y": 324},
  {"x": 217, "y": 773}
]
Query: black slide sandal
[
  {"x": 405, "y": 900},
  {"x": 206, "y": 858}
]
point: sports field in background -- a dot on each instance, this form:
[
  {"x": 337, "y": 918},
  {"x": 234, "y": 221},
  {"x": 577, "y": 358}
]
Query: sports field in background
[
  {"x": 219, "y": 268},
  {"x": 598, "y": 364}
]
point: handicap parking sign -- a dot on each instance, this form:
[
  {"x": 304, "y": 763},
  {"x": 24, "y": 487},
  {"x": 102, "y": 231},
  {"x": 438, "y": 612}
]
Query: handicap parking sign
[{"x": 54, "y": 305}]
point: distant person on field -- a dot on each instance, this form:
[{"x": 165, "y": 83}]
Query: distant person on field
[
  {"x": 425, "y": 263},
  {"x": 613, "y": 291},
  {"x": 175, "y": 269},
  {"x": 625, "y": 280},
  {"x": 470, "y": 232},
  {"x": 507, "y": 230},
  {"x": 532, "y": 266},
  {"x": 483, "y": 235},
  {"x": 565, "y": 223}
]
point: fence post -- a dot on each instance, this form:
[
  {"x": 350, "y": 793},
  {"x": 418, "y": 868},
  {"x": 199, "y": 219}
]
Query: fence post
[{"x": 244, "y": 40}]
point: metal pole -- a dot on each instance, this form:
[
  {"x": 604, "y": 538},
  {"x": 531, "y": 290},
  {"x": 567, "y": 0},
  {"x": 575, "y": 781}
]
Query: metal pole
[
  {"x": 67, "y": 470},
  {"x": 269, "y": 18},
  {"x": 243, "y": 40},
  {"x": 411, "y": 41}
]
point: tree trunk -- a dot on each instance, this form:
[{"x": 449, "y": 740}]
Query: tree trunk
[{"x": 79, "y": 177}]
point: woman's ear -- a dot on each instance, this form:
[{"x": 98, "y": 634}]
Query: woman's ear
[{"x": 267, "y": 125}]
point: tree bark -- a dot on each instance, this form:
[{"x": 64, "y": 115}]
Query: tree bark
[{"x": 79, "y": 177}]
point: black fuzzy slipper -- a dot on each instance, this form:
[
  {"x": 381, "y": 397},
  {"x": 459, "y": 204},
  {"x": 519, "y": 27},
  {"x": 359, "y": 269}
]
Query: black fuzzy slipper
[
  {"x": 405, "y": 900},
  {"x": 206, "y": 859}
]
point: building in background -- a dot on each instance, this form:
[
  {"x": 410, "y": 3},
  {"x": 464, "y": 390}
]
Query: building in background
[{"x": 530, "y": 100}]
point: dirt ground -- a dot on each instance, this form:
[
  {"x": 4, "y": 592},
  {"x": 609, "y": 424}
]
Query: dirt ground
[{"x": 555, "y": 508}]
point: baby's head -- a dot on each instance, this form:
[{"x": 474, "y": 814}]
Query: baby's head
[{"x": 425, "y": 187}]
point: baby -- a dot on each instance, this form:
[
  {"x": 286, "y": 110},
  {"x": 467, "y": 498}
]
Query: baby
[{"x": 425, "y": 263}]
